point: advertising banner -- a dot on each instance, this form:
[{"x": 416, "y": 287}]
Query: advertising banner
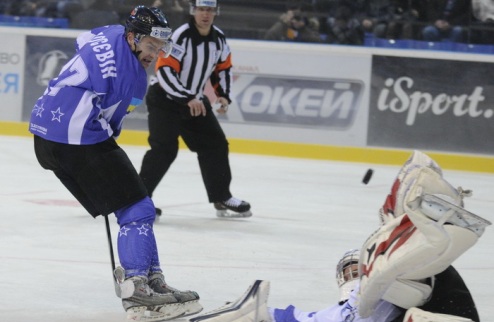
[
  {"x": 433, "y": 104},
  {"x": 46, "y": 57},
  {"x": 295, "y": 102},
  {"x": 11, "y": 80},
  {"x": 301, "y": 94}
]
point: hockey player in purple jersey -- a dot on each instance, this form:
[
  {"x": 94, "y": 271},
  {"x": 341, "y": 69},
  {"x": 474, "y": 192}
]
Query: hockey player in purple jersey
[
  {"x": 403, "y": 271},
  {"x": 75, "y": 123}
]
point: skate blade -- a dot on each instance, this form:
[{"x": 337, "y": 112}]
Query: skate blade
[
  {"x": 192, "y": 307},
  {"x": 232, "y": 214},
  {"x": 141, "y": 313}
]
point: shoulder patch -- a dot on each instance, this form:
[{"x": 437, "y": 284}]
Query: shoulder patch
[{"x": 177, "y": 52}]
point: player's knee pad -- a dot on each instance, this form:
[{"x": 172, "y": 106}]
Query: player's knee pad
[{"x": 142, "y": 211}]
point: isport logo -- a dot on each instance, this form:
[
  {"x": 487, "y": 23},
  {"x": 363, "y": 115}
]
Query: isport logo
[
  {"x": 330, "y": 103},
  {"x": 400, "y": 96}
]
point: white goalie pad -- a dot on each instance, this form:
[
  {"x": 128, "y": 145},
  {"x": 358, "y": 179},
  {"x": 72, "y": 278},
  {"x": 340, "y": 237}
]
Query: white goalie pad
[
  {"x": 417, "y": 315},
  {"x": 416, "y": 292},
  {"x": 433, "y": 231}
]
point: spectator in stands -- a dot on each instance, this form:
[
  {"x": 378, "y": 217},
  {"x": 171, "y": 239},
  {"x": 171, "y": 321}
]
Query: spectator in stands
[
  {"x": 448, "y": 20},
  {"x": 402, "y": 17},
  {"x": 282, "y": 29},
  {"x": 5, "y": 6},
  {"x": 48, "y": 8},
  {"x": 343, "y": 27},
  {"x": 294, "y": 25},
  {"x": 482, "y": 28},
  {"x": 391, "y": 19},
  {"x": 372, "y": 16},
  {"x": 99, "y": 13},
  {"x": 57, "y": 8},
  {"x": 23, "y": 8},
  {"x": 69, "y": 9}
]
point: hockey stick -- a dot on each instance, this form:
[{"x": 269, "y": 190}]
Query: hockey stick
[
  {"x": 110, "y": 244},
  {"x": 112, "y": 257}
]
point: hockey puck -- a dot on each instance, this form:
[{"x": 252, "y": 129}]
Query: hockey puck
[{"x": 367, "y": 176}]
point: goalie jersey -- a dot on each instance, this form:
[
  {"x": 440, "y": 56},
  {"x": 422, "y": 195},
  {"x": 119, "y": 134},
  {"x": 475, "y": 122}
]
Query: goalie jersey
[
  {"x": 344, "y": 312},
  {"x": 103, "y": 88}
]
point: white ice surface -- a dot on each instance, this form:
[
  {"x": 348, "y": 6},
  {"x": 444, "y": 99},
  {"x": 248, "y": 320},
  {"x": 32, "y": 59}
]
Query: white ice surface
[{"x": 54, "y": 258}]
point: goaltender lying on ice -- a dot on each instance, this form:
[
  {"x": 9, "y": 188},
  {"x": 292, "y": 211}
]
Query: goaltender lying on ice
[{"x": 403, "y": 271}]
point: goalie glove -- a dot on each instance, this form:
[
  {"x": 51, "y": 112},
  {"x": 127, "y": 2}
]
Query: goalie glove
[
  {"x": 393, "y": 206},
  {"x": 431, "y": 232}
]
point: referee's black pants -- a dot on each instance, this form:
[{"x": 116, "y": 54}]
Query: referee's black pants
[{"x": 167, "y": 120}]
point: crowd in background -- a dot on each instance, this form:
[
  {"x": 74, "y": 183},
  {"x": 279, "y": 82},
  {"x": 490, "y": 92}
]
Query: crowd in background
[
  {"x": 87, "y": 14},
  {"x": 346, "y": 22}
]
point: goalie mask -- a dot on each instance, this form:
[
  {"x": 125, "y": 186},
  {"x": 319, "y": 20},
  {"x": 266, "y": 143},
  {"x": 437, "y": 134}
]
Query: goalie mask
[{"x": 347, "y": 274}]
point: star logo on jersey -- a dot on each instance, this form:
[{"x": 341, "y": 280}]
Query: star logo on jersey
[
  {"x": 143, "y": 230},
  {"x": 57, "y": 115},
  {"x": 123, "y": 231},
  {"x": 38, "y": 110}
]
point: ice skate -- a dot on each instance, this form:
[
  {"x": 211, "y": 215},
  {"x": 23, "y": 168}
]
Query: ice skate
[
  {"x": 142, "y": 303},
  {"x": 251, "y": 307},
  {"x": 188, "y": 299},
  {"x": 232, "y": 208}
]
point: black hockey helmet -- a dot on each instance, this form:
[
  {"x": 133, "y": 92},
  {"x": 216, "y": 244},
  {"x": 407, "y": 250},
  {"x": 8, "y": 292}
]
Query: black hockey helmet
[{"x": 148, "y": 22}]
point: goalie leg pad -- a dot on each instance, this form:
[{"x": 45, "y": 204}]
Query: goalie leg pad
[
  {"x": 406, "y": 250},
  {"x": 408, "y": 293},
  {"x": 417, "y": 315}
]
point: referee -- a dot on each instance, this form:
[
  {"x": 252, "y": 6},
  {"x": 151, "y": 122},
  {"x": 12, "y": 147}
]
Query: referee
[{"x": 177, "y": 107}]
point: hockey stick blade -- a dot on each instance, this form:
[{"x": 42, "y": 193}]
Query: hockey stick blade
[{"x": 236, "y": 306}]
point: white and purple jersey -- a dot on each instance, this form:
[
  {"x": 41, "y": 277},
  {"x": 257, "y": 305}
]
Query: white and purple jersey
[
  {"x": 346, "y": 312},
  {"x": 94, "y": 91}
]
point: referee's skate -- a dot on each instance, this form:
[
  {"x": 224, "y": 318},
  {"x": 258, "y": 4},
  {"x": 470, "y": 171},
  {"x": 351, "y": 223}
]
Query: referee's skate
[{"x": 233, "y": 208}]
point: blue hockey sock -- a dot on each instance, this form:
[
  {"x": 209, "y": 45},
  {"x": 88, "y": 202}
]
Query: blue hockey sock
[{"x": 137, "y": 249}]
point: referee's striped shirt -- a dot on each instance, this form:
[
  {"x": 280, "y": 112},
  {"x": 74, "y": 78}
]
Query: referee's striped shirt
[{"x": 195, "y": 59}]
